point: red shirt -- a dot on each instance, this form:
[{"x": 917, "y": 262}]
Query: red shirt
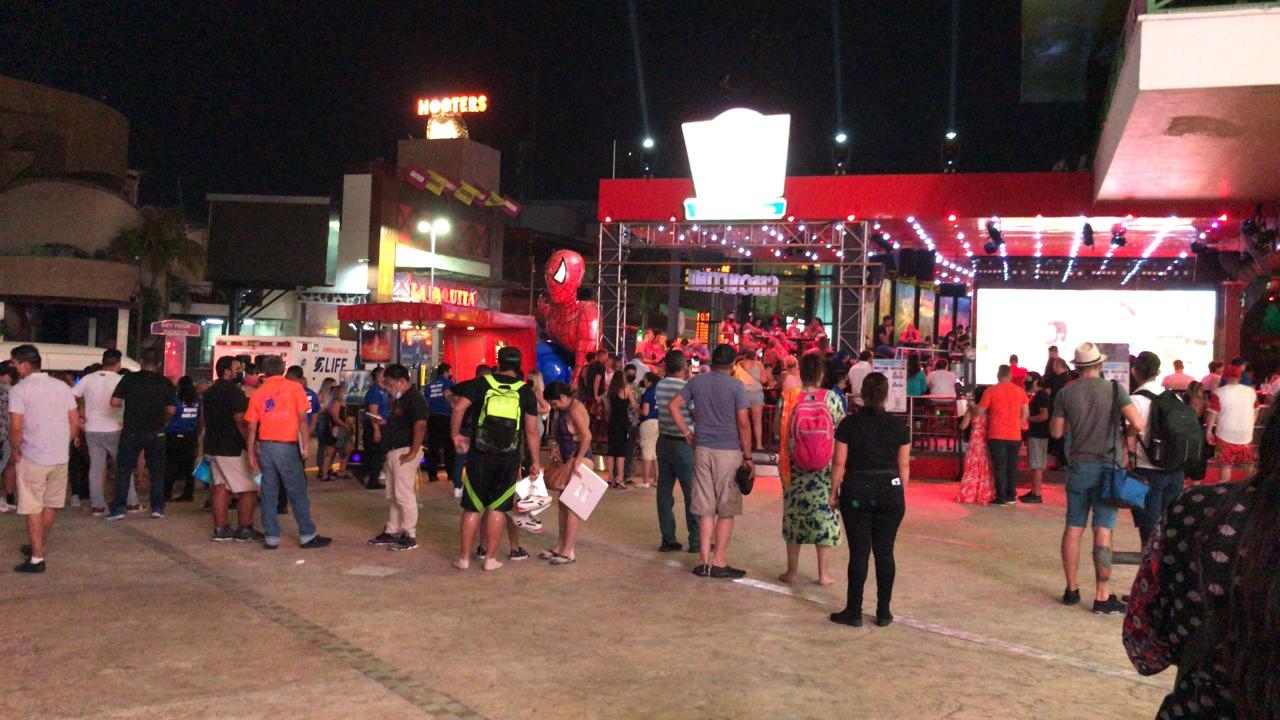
[
  {"x": 1003, "y": 403},
  {"x": 1018, "y": 375}
]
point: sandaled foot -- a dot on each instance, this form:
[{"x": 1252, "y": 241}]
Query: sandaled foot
[
  {"x": 563, "y": 560},
  {"x": 549, "y": 555},
  {"x": 825, "y": 581},
  {"x": 462, "y": 563},
  {"x": 491, "y": 564}
]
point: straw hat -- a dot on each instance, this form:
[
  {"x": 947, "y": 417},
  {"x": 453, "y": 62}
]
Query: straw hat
[{"x": 1087, "y": 354}]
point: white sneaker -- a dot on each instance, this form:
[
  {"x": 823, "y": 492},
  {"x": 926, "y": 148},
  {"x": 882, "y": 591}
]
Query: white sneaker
[
  {"x": 5, "y": 507},
  {"x": 457, "y": 494},
  {"x": 75, "y": 501},
  {"x": 535, "y": 502},
  {"x": 527, "y": 523}
]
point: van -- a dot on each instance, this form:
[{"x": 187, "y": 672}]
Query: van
[
  {"x": 66, "y": 358},
  {"x": 320, "y": 357}
]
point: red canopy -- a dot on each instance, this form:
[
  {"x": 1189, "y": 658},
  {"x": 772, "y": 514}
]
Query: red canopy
[{"x": 394, "y": 313}]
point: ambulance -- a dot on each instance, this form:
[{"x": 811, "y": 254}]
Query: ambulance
[{"x": 320, "y": 357}]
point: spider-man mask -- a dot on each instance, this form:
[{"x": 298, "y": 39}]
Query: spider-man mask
[{"x": 564, "y": 276}]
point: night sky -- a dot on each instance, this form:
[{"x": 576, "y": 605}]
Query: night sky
[{"x": 282, "y": 98}]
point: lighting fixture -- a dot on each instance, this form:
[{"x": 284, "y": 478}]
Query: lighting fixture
[
  {"x": 1087, "y": 235},
  {"x": 996, "y": 237},
  {"x": 1117, "y": 237}
]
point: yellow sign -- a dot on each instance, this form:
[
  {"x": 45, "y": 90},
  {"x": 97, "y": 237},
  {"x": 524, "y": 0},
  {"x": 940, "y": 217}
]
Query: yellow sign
[{"x": 453, "y": 105}]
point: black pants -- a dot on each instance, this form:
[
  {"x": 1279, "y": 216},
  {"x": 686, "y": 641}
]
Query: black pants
[
  {"x": 374, "y": 456},
  {"x": 872, "y": 513},
  {"x": 439, "y": 445},
  {"x": 179, "y": 462},
  {"x": 1004, "y": 466}
]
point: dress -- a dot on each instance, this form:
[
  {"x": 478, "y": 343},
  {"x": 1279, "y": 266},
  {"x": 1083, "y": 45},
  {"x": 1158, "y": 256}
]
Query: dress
[
  {"x": 619, "y": 426},
  {"x": 807, "y": 516},
  {"x": 978, "y": 484}
]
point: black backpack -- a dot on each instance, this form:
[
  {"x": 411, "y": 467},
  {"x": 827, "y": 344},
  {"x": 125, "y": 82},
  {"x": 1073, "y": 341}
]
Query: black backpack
[{"x": 1175, "y": 439}]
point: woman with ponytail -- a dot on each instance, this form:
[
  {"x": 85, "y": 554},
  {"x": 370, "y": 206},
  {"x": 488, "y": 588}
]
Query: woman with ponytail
[{"x": 1207, "y": 597}]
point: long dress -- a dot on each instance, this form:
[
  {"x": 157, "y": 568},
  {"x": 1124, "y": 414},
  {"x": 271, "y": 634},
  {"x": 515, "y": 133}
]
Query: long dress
[
  {"x": 807, "y": 516},
  {"x": 978, "y": 484}
]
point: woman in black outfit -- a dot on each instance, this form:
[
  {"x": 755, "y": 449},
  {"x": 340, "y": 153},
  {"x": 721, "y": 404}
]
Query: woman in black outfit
[{"x": 873, "y": 456}]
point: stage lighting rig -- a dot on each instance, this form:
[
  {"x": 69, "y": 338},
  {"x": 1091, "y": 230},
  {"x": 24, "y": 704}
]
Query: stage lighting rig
[
  {"x": 1117, "y": 237},
  {"x": 881, "y": 242}
]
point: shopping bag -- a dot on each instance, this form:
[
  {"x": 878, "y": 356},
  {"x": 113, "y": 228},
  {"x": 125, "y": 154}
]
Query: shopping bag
[
  {"x": 532, "y": 495},
  {"x": 203, "y": 471}
]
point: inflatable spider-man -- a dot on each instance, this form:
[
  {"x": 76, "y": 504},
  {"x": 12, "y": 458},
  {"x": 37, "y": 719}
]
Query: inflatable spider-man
[{"x": 573, "y": 323}]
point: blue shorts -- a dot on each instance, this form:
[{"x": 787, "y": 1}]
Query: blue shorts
[{"x": 1084, "y": 482}]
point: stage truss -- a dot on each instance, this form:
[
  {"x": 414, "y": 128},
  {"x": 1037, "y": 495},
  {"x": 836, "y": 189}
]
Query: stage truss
[{"x": 838, "y": 247}]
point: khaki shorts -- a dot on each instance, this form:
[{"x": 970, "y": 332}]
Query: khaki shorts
[
  {"x": 649, "y": 440},
  {"x": 40, "y": 487},
  {"x": 233, "y": 471},
  {"x": 714, "y": 491}
]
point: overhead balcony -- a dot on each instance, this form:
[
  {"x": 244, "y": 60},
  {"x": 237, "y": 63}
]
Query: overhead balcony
[{"x": 1194, "y": 105}]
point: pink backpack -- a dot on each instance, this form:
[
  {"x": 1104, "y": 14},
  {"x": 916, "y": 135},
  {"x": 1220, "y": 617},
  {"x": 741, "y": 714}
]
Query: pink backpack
[{"x": 812, "y": 437}]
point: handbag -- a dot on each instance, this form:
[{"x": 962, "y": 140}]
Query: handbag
[
  {"x": 557, "y": 476},
  {"x": 203, "y": 471},
  {"x": 745, "y": 479},
  {"x": 1119, "y": 487}
]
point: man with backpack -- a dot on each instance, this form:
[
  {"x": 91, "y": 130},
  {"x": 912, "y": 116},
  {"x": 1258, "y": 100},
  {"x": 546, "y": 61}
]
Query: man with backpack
[
  {"x": 506, "y": 414},
  {"x": 1161, "y": 452}
]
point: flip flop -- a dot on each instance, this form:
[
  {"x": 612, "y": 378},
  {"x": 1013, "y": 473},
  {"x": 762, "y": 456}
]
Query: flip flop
[
  {"x": 562, "y": 560},
  {"x": 549, "y": 555}
]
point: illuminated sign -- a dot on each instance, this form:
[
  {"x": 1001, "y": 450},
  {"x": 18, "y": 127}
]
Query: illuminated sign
[
  {"x": 453, "y": 105},
  {"x": 410, "y": 287},
  {"x": 739, "y": 166},
  {"x": 732, "y": 284}
]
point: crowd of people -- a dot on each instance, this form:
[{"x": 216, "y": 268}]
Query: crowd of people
[{"x": 844, "y": 464}]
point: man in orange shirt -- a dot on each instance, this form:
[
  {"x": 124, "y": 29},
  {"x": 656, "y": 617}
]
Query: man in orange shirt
[
  {"x": 1006, "y": 406},
  {"x": 278, "y": 438}
]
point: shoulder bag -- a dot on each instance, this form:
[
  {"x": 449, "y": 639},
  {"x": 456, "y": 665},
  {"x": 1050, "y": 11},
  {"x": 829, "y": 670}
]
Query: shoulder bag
[{"x": 1119, "y": 487}]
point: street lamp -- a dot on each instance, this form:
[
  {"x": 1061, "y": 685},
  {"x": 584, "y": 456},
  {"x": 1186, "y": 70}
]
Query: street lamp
[{"x": 439, "y": 226}]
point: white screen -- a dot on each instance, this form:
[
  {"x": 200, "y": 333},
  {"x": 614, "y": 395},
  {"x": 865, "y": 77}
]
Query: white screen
[{"x": 1174, "y": 324}]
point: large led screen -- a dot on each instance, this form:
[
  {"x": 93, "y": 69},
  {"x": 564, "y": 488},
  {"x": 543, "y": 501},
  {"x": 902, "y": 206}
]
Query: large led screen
[{"x": 1174, "y": 324}]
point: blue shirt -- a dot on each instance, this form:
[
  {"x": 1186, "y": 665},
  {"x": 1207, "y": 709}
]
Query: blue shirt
[
  {"x": 315, "y": 403},
  {"x": 651, "y": 396},
  {"x": 377, "y": 396},
  {"x": 185, "y": 419},
  {"x": 437, "y": 404}
]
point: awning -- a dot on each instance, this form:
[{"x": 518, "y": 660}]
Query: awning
[{"x": 420, "y": 314}]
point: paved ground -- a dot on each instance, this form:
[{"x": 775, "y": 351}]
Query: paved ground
[{"x": 148, "y": 619}]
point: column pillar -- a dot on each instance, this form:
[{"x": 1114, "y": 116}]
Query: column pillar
[
  {"x": 122, "y": 329},
  {"x": 1226, "y": 344}
]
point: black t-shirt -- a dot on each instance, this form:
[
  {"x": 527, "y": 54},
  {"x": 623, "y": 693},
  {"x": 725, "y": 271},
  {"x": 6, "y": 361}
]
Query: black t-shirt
[
  {"x": 146, "y": 396},
  {"x": 476, "y": 390},
  {"x": 1042, "y": 400},
  {"x": 222, "y": 402},
  {"x": 873, "y": 438},
  {"x": 590, "y": 376},
  {"x": 463, "y": 390},
  {"x": 408, "y": 409}
]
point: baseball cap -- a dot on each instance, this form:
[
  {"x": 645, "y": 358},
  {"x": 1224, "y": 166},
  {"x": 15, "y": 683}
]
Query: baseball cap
[{"x": 1232, "y": 371}]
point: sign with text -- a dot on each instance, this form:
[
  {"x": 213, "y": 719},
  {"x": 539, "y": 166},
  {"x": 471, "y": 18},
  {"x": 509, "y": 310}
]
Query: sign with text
[
  {"x": 412, "y": 287},
  {"x": 895, "y": 371},
  {"x": 712, "y": 281},
  {"x": 175, "y": 327},
  {"x": 453, "y": 105}
]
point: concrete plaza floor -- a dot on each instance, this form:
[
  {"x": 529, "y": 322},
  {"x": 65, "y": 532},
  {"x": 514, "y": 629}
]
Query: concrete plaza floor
[{"x": 149, "y": 619}]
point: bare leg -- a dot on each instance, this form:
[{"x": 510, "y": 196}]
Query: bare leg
[
  {"x": 513, "y": 534},
  {"x": 1224, "y": 473},
  {"x": 493, "y": 522},
  {"x": 221, "y": 502},
  {"x": 824, "y": 565},
  {"x": 1102, "y": 561},
  {"x": 724, "y": 531},
  {"x": 244, "y": 508},
  {"x": 569, "y": 524},
  {"x": 10, "y": 479},
  {"x": 344, "y": 454},
  {"x": 38, "y": 527},
  {"x": 757, "y": 428},
  {"x": 706, "y": 531},
  {"x": 1037, "y": 481},
  {"x": 1071, "y": 537},
  {"x": 326, "y": 465},
  {"x": 468, "y": 525},
  {"x": 793, "y": 563}
]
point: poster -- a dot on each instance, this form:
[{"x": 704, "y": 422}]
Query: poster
[
  {"x": 357, "y": 384},
  {"x": 925, "y": 315},
  {"x": 415, "y": 347},
  {"x": 946, "y": 315},
  {"x": 904, "y": 308},
  {"x": 886, "y": 301},
  {"x": 375, "y": 346},
  {"x": 896, "y": 372},
  {"x": 962, "y": 313}
]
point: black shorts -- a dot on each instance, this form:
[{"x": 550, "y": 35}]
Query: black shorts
[{"x": 490, "y": 477}]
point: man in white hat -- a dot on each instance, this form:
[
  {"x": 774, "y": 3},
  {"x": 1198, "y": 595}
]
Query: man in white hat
[{"x": 1088, "y": 411}]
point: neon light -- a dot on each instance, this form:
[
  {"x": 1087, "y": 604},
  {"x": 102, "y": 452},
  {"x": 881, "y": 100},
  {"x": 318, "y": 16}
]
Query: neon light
[{"x": 453, "y": 105}]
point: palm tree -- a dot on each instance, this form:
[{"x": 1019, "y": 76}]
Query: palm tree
[{"x": 165, "y": 257}]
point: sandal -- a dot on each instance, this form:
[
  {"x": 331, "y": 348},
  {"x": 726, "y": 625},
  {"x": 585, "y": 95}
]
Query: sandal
[
  {"x": 549, "y": 555},
  {"x": 563, "y": 560}
]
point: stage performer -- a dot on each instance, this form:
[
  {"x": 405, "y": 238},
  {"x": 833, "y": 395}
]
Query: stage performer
[{"x": 574, "y": 323}]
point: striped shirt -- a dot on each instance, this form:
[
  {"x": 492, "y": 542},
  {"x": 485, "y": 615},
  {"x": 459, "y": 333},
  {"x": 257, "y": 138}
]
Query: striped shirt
[{"x": 668, "y": 388}]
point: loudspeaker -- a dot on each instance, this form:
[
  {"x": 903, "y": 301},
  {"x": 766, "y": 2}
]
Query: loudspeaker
[
  {"x": 925, "y": 261},
  {"x": 906, "y": 262},
  {"x": 952, "y": 290}
]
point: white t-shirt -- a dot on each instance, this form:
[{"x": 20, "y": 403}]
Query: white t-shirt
[
  {"x": 857, "y": 373},
  {"x": 942, "y": 382},
  {"x": 96, "y": 390},
  {"x": 43, "y": 402},
  {"x": 1235, "y": 405},
  {"x": 1142, "y": 404}
]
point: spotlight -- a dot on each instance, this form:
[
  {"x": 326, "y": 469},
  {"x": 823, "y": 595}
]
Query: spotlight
[
  {"x": 840, "y": 154},
  {"x": 646, "y": 158},
  {"x": 996, "y": 237},
  {"x": 950, "y": 152},
  {"x": 842, "y": 138},
  {"x": 647, "y": 143},
  {"x": 1199, "y": 247},
  {"x": 1087, "y": 234},
  {"x": 990, "y": 247},
  {"x": 881, "y": 242},
  {"x": 1117, "y": 238}
]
